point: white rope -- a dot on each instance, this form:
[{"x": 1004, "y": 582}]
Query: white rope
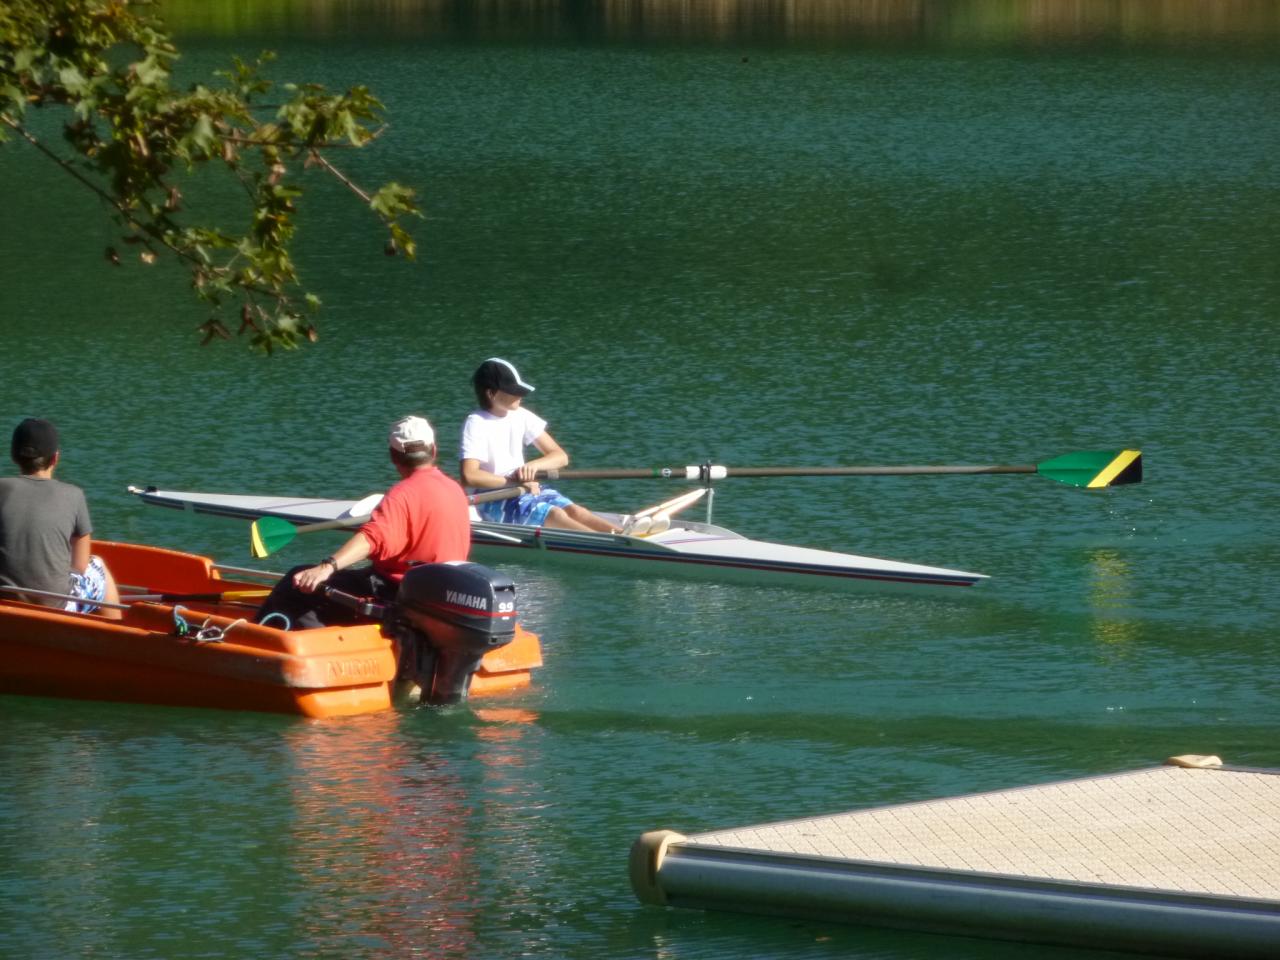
[{"x": 212, "y": 633}]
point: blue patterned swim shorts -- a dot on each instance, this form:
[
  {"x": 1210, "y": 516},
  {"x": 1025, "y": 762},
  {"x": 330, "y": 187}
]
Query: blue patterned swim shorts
[
  {"x": 90, "y": 585},
  {"x": 529, "y": 510}
]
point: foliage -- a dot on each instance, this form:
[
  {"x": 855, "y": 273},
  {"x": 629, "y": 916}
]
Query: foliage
[{"x": 131, "y": 138}]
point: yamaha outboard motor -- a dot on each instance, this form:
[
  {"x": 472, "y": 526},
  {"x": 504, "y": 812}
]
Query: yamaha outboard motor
[{"x": 456, "y": 613}]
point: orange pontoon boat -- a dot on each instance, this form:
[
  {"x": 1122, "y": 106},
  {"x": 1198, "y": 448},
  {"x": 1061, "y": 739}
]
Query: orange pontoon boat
[{"x": 192, "y": 642}]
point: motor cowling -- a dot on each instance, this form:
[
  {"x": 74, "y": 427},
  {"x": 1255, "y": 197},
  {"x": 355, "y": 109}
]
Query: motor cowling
[{"x": 456, "y": 613}]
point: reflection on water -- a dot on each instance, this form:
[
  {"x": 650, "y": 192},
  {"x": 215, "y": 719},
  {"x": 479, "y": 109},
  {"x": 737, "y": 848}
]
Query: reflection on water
[
  {"x": 390, "y": 825},
  {"x": 268, "y": 836},
  {"x": 827, "y": 22},
  {"x": 1111, "y": 599}
]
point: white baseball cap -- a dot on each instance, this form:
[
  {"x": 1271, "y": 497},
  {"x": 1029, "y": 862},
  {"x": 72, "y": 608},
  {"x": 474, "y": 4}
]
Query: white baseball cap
[{"x": 410, "y": 431}]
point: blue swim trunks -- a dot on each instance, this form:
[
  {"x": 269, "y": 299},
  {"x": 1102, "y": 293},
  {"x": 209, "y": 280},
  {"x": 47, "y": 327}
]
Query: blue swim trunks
[
  {"x": 529, "y": 510},
  {"x": 88, "y": 586}
]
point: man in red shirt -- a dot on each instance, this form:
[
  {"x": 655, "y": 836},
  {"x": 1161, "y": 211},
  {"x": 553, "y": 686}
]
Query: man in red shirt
[{"x": 422, "y": 519}]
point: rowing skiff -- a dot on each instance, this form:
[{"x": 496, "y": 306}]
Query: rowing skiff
[
  {"x": 686, "y": 548},
  {"x": 193, "y": 643}
]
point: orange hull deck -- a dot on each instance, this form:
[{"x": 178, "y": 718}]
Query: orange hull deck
[{"x": 331, "y": 672}]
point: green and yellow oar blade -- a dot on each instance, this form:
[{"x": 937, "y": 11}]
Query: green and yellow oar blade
[
  {"x": 269, "y": 534},
  {"x": 1094, "y": 469}
]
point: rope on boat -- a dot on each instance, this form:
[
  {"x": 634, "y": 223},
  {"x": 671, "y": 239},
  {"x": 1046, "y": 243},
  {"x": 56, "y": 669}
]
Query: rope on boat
[
  {"x": 212, "y": 633},
  {"x": 267, "y": 619},
  {"x": 207, "y": 632}
]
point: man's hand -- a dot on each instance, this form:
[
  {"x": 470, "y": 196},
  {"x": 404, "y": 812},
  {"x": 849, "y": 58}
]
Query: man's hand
[{"x": 307, "y": 580}]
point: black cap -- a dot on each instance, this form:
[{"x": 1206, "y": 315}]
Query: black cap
[
  {"x": 34, "y": 438},
  {"x": 495, "y": 374}
]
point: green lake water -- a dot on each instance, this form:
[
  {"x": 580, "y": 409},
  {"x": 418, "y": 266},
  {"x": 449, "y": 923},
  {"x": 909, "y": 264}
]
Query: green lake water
[{"x": 945, "y": 240}]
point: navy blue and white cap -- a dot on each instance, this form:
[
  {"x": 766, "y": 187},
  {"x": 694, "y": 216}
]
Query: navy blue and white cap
[{"x": 498, "y": 374}]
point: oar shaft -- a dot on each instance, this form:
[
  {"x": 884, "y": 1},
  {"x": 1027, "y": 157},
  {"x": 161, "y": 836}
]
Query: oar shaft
[
  {"x": 903, "y": 471},
  {"x": 131, "y": 598},
  {"x": 63, "y": 596},
  {"x": 227, "y": 596},
  {"x": 269, "y": 534},
  {"x": 621, "y": 473},
  {"x": 248, "y": 571},
  {"x": 332, "y": 524},
  {"x": 505, "y": 493},
  {"x": 712, "y": 472}
]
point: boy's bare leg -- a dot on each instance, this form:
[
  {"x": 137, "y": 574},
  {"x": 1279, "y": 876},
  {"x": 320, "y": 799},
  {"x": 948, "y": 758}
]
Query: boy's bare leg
[{"x": 576, "y": 517}]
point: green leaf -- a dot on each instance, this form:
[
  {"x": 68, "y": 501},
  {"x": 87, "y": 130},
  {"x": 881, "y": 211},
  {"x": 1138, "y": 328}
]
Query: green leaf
[
  {"x": 74, "y": 81},
  {"x": 404, "y": 241},
  {"x": 202, "y": 134},
  {"x": 151, "y": 72},
  {"x": 393, "y": 200}
]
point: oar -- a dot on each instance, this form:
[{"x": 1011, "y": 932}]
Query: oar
[
  {"x": 674, "y": 505},
  {"x": 269, "y": 534},
  {"x": 227, "y": 596},
  {"x": 1093, "y": 469},
  {"x": 249, "y": 572},
  {"x": 62, "y": 596},
  {"x": 130, "y": 598}
]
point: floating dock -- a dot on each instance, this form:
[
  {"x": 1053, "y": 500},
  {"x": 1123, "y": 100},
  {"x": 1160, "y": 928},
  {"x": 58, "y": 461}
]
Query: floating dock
[{"x": 1182, "y": 859}]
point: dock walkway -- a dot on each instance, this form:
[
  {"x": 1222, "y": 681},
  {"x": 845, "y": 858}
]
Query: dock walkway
[{"x": 1182, "y": 859}]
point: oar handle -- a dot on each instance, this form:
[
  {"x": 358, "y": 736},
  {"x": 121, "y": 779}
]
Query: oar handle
[
  {"x": 365, "y": 606},
  {"x": 504, "y": 493}
]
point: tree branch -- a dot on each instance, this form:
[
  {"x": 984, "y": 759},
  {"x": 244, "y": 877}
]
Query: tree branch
[
  {"x": 341, "y": 177},
  {"x": 111, "y": 63}
]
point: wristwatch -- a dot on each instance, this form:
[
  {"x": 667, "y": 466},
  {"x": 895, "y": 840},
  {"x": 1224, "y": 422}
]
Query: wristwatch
[{"x": 332, "y": 562}]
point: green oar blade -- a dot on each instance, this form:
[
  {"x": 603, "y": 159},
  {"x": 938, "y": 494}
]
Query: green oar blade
[
  {"x": 269, "y": 534},
  {"x": 1094, "y": 468}
]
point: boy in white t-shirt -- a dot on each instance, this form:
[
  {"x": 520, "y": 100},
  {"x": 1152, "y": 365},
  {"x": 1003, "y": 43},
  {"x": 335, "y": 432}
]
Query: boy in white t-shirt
[{"x": 492, "y": 455}]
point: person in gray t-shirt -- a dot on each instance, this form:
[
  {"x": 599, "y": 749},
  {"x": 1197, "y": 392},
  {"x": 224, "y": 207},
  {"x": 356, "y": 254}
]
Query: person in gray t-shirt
[{"x": 45, "y": 541}]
